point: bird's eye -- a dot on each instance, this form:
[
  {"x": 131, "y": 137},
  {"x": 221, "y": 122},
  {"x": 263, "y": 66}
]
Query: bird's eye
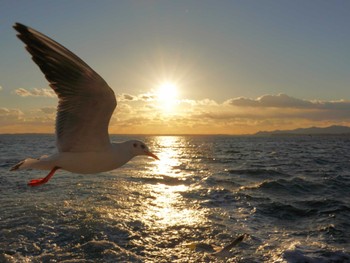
[
  {"x": 143, "y": 146},
  {"x": 135, "y": 145}
]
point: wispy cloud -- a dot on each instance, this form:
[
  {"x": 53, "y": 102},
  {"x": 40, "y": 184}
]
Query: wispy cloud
[
  {"x": 126, "y": 97},
  {"x": 10, "y": 112},
  {"x": 10, "y": 116},
  {"x": 48, "y": 110},
  {"x": 283, "y": 106},
  {"x": 140, "y": 97},
  {"x": 18, "y": 121},
  {"x": 275, "y": 101},
  {"x": 35, "y": 92},
  {"x": 143, "y": 113},
  {"x": 235, "y": 115}
]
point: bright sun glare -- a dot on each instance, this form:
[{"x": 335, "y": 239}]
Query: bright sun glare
[{"x": 167, "y": 95}]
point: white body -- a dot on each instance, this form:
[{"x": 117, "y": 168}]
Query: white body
[{"x": 83, "y": 162}]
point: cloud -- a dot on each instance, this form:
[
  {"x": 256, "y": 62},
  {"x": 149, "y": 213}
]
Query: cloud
[
  {"x": 140, "y": 97},
  {"x": 335, "y": 105},
  {"x": 126, "y": 97},
  {"x": 147, "y": 97},
  {"x": 10, "y": 116},
  {"x": 1, "y": 88},
  {"x": 268, "y": 112},
  {"x": 289, "y": 105},
  {"x": 275, "y": 101},
  {"x": 48, "y": 110},
  {"x": 10, "y": 112},
  {"x": 35, "y": 92},
  {"x": 203, "y": 102},
  {"x": 142, "y": 113},
  {"x": 4, "y": 111}
]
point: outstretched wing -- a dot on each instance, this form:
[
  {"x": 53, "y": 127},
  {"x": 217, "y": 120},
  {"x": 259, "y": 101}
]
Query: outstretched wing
[{"x": 86, "y": 102}]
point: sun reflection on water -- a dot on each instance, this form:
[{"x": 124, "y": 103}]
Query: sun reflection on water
[
  {"x": 168, "y": 208},
  {"x": 168, "y": 155}
]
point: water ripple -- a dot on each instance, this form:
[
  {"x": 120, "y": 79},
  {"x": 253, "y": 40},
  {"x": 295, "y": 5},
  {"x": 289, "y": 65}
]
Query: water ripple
[{"x": 289, "y": 195}]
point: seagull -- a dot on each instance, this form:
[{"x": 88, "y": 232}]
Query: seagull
[{"x": 85, "y": 106}]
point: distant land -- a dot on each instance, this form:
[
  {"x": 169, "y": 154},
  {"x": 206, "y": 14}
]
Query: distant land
[{"x": 331, "y": 130}]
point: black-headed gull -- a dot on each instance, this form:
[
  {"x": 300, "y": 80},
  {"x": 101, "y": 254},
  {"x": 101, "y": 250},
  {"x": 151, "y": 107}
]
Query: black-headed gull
[{"x": 86, "y": 104}]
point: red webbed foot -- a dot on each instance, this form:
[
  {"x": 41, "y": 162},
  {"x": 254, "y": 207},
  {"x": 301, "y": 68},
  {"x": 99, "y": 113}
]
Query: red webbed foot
[{"x": 37, "y": 182}]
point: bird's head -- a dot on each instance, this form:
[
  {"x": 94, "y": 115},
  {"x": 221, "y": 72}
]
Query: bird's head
[{"x": 140, "y": 148}]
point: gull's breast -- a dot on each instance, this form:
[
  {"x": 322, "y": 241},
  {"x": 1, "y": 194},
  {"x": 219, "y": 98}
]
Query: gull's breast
[{"x": 89, "y": 162}]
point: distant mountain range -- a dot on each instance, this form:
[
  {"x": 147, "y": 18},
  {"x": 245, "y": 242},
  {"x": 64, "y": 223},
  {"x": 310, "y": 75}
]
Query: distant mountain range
[{"x": 331, "y": 130}]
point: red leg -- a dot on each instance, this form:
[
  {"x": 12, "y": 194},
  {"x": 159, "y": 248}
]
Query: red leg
[{"x": 36, "y": 182}]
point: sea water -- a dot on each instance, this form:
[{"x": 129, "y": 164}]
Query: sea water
[{"x": 290, "y": 195}]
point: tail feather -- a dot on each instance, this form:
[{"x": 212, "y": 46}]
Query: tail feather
[
  {"x": 31, "y": 163},
  {"x": 17, "y": 166}
]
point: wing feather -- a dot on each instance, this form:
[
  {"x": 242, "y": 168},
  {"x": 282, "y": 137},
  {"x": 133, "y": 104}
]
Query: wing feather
[{"x": 86, "y": 102}]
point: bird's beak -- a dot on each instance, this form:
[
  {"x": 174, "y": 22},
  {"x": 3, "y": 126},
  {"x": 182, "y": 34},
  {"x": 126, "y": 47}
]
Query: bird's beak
[{"x": 152, "y": 155}]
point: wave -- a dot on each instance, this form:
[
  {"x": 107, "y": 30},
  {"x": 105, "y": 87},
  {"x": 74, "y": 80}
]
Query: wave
[
  {"x": 296, "y": 188},
  {"x": 162, "y": 179},
  {"x": 284, "y": 211},
  {"x": 258, "y": 172},
  {"x": 108, "y": 251},
  {"x": 279, "y": 191},
  {"x": 325, "y": 206},
  {"x": 297, "y": 256}
]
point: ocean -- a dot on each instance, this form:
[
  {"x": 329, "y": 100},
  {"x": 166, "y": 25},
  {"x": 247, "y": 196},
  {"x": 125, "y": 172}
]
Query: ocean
[{"x": 288, "y": 195}]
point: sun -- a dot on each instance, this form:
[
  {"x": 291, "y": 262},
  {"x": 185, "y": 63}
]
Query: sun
[{"x": 167, "y": 94}]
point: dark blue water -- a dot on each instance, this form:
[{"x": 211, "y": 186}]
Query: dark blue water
[{"x": 290, "y": 195}]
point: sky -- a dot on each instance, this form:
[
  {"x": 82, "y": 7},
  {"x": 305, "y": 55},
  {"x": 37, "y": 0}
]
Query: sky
[{"x": 187, "y": 67}]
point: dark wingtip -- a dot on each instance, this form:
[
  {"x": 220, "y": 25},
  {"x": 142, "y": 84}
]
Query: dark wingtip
[
  {"x": 20, "y": 28},
  {"x": 16, "y": 167}
]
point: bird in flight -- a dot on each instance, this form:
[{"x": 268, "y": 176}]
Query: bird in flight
[{"x": 85, "y": 106}]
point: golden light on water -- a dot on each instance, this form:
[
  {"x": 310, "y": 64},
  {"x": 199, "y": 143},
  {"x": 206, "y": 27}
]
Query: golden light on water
[
  {"x": 168, "y": 156},
  {"x": 168, "y": 207}
]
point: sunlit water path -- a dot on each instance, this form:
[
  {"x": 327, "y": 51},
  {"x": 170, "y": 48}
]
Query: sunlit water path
[{"x": 291, "y": 195}]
